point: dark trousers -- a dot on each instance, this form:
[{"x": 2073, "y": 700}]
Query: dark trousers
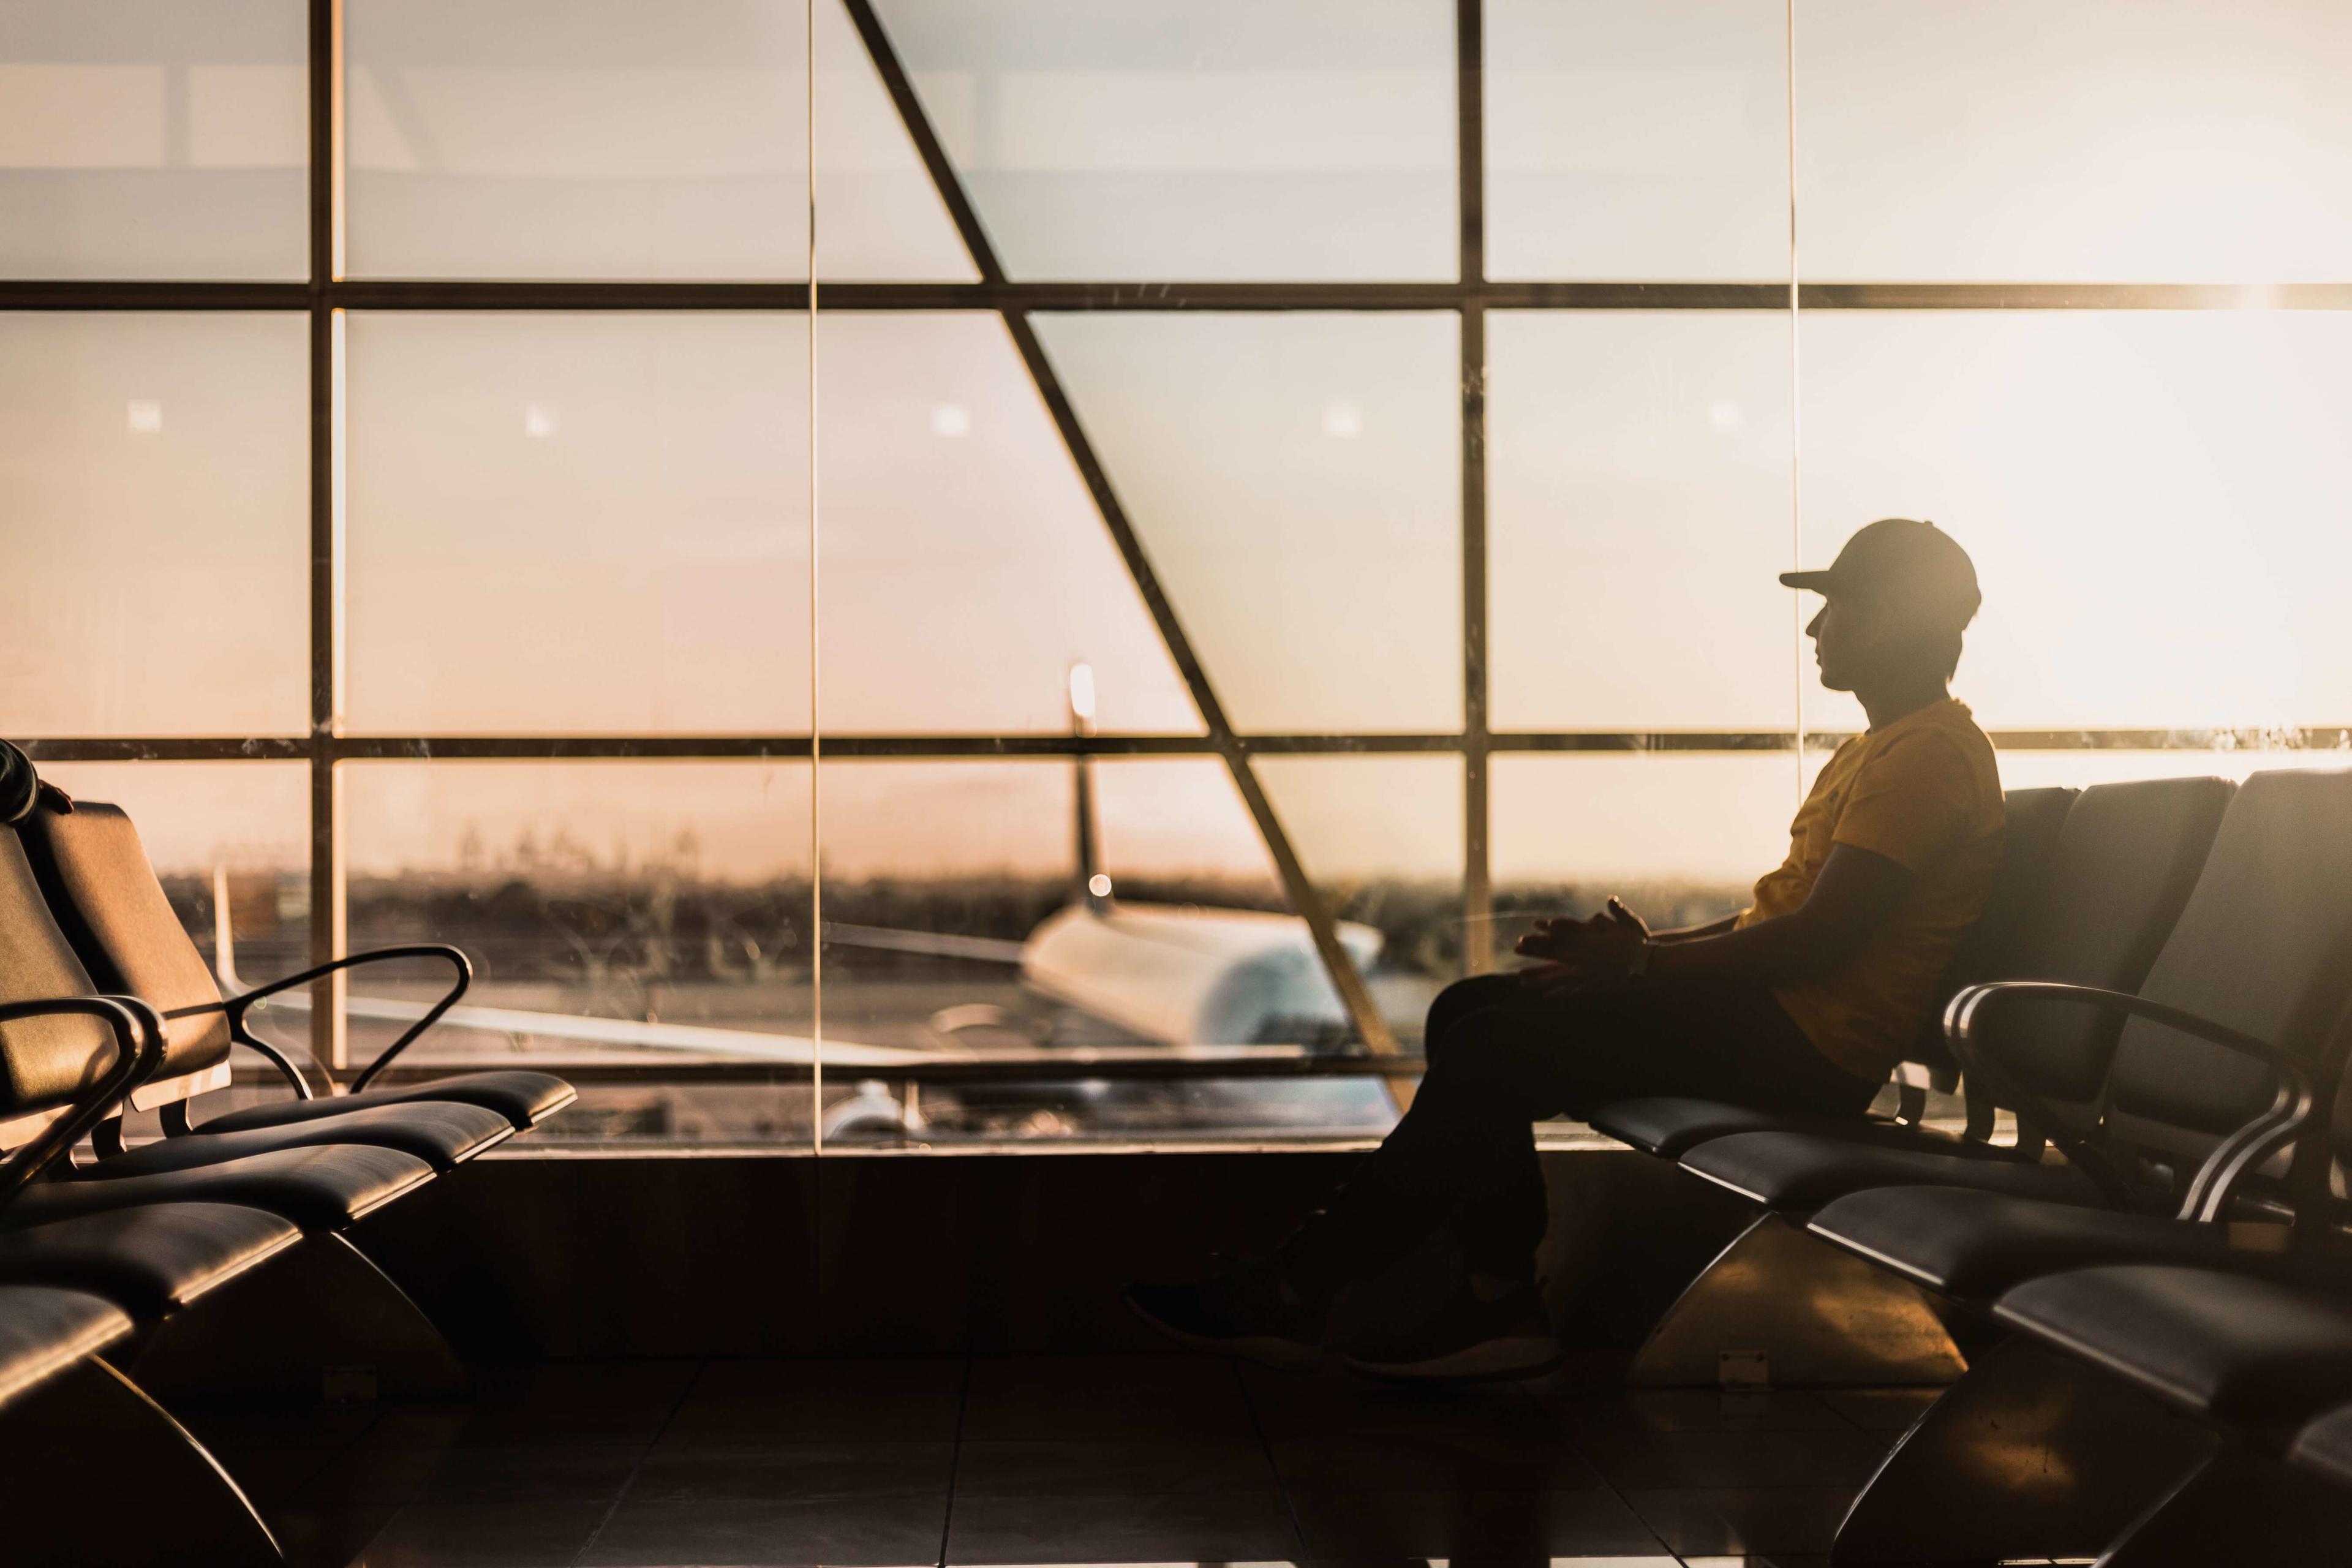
[{"x": 1503, "y": 1056}]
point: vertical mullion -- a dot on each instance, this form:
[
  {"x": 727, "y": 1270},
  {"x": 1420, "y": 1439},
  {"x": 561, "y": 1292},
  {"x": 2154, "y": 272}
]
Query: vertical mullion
[
  {"x": 1470, "y": 142},
  {"x": 327, "y": 905}
]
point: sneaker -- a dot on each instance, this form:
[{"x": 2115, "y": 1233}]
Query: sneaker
[
  {"x": 1471, "y": 1339},
  {"x": 1251, "y": 1313}
]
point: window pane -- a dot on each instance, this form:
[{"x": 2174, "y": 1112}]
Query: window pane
[
  {"x": 1296, "y": 481},
  {"x": 562, "y": 138},
  {"x": 631, "y": 913},
  {"x": 1637, "y": 141},
  {"x": 245, "y": 826},
  {"x": 157, "y": 473},
  {"x": 141, "y": 138},
  {"x": 1638, "y": 506},
  {"x": 565, "y": 523},
  {"x": 964, "y": 565},
  {"x": 2154, "y": 501},
  {"x": 2120, "y": 140},
  {"x": 882, "y": 216},
  {"x": 2082, "y": 768},
  {"x": 1301, "y": 139},
  {"x": 953, "y": 924},
  {"x": 1681, "y": 836},
  {"x": 1382, "y": 836}
]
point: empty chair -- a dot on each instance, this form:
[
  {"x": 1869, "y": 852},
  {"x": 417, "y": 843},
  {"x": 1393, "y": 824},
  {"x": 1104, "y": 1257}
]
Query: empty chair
[
  {"x": 105, "y": 895},
  {"x": 1668, "y": 1125}
]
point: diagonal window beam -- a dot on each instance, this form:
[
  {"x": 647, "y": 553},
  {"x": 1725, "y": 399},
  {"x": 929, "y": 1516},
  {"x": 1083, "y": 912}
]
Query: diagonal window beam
[{"x": 1346, "y": 978}]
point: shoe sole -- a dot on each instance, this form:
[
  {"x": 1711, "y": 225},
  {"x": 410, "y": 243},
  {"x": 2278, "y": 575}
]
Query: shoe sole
[
  {"x": 1281, "y": 1356},
  {"x": 1499, "y": 1361}
]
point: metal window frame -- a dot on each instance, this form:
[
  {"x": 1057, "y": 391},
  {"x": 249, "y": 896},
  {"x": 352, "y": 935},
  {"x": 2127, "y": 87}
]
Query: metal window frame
[{"x": 1470, "y": 296}]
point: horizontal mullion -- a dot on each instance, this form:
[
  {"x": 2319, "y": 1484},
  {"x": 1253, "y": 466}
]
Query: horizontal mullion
[
  {"x": 1139, "y": 1068},
  {"x": 489, "y": 294},
  {"x": 724, "y": 748}
]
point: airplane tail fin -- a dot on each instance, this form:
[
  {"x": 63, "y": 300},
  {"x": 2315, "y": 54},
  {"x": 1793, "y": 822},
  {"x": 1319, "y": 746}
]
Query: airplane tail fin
[
  {"x": 224, "y": 938},
  {"x": 1094, "y": 884}
]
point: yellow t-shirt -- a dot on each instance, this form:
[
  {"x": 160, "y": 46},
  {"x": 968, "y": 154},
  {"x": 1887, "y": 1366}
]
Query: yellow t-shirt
[{"x": 1925, "y": 793}]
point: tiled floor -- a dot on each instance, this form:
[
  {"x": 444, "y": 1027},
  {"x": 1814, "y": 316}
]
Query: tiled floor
[{"x": 1084, "y": 1459}]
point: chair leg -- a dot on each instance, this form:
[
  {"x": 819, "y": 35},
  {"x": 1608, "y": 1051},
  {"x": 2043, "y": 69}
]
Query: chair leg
[
  {"x": 1782, "y": 1307},
  {"x": 99, "y": 1476},
  {"x": 319, "y": 1321},
  {"x": 2243, "y": 1510},
  {"x": 2031, "y": 1455}
]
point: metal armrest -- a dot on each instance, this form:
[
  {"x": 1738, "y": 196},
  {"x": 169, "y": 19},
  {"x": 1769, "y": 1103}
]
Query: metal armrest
[
  {"x": 2210, "y": 1189},
  {"x": 237, "y": 1006},
  {"x": 138, "y": 1050}
]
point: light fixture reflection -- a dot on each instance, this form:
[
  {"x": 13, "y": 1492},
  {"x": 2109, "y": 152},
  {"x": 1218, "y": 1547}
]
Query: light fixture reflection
[
  {"x": 538, "y": 421},
  {"x": 951, "y": 421},
  {"x": 146, "y": 417},
  {"x": 1343, "y": 422}
]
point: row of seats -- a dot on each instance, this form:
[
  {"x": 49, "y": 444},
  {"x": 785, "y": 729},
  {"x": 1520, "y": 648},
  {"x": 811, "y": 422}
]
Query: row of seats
[
  {"x": 107, "y": 1006},
  {"x": 2165, "y": 1012}
]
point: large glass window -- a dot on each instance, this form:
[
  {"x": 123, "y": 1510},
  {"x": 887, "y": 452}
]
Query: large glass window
[{"x": 1256, "y": 501}]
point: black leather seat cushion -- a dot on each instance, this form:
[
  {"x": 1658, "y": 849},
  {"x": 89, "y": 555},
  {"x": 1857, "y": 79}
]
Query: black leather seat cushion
[
  {"x": 145, "y": 1261},
  {"x": 1807, "y": 1170},
  {"x": 524, "y": 1099},
  {"x": 319, "y": 1189},
  {"x": 2325, "y": 1447},
  {"x": 44, "y": 1331},
  {"x": 2257, "y": 1353},
  {"x": 1672, "y": 1125},
  {"x": 443, "y": 1135},
  {"x": 1967, "y": 1242}
]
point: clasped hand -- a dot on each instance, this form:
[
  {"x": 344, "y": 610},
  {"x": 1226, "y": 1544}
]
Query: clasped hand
[{"x": 1582, "y": 955}]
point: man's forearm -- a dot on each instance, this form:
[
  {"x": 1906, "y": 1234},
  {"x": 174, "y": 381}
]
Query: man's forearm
[
  {"x": 1769, "y": 951},
  {"x": 1695, "y": 933}
]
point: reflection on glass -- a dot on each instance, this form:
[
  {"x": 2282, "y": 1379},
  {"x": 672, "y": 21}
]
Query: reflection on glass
[
  {"x": 1295, "y": 481},
  {"x": 1638, "y": 504},
  {"x": 156, "y": 494},
  {"x": 2134, "y": 140},
  {"x": 553, "y": 139},
  {"x": 616, "y": 912},
  {"x": 154, "y": 141},
  {"x": 1382, "y": 836},
  {"x": 964, "y": 567},
  {"x": 2154, "y": 502},
  {"x": 1235, "y": 138},
  {"x": 1637, "y": 141},
  {"x": 1682, "y": 837},
  {"x": 978, "y": 910},
  {"x": 578, "y": 524}
]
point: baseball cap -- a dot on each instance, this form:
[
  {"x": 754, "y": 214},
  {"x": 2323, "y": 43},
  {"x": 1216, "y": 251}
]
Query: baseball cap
[{"x": 1914, "y": 566}]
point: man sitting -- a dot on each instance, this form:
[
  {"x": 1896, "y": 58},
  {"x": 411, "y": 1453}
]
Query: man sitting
[{"x": 1801, "y": 1003}]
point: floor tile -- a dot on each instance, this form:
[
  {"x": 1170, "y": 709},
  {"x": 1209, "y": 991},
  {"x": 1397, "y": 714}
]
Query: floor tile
[
  {"x": 795, "y": 1472},
  {"x": 560, "y": 1403},
  {"x": 326, "y": 1535},
  {"x": 1728, "y": 1522},
  {"x": 1888, "y": 1410},
  {"x": 1064, "y": 1397},
  {"x": 1455, "y": 1524},
  {"x": 484, "y": 1535},
  {"x": 856, "y": 1532},
  {"x": 1648, "y": 1460},
  {"x": 1428, "y": 1461},
  {"x": 880, "y": 1399},
  {"x": 1135, "y": 1466},
  {"x": 1334, "y": 1405},
  {"x": 1166, "y": 1527},
  {"x": 576, "y": 1474},
  {"x": 1702, "y": 1410}
]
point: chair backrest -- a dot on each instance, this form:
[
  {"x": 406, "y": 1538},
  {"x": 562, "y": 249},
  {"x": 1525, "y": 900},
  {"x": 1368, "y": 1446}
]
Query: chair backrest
[
  {"x": 46, "y": 1064},
  {"x": 2264, "y": 946},
  {"x": 2033, "y": 820},
  {"x": 2119, "y": 873},
  {"x": 95, "y": 874}
]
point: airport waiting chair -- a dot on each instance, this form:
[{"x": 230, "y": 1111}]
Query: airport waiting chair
[
  {"x": 1670, "y": 1125},
  {"x": 2116, "y": 876},
  {"x": 45, "y": 1331},
  {"x": 105, "y": 895}
]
